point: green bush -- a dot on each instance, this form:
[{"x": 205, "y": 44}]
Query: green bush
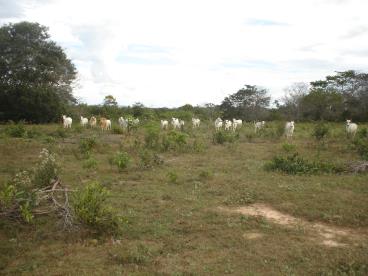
[
  {"x": 361, "y": 146},
  {"x": 152, "y": 138},
  {"x": 149, "y": 159},
  {"x": 362, "y": 133},
  {"x": 221, "y": 137},
  {"x": 60, "y": 132},
  {"x": 117, "y": 130},
  {"x": 288, "y": 147},
  {"x": 16, "y": 130},
  {"x": 172, "y": 177},
  {"x": 320, "y": 131},
  {"x": 294, "y": 164},
  {"x": 91, "y": 208},
  {"x": 121, "y": 159},
  {"x": 86, "y": 145},
  {"x": 174, "y": 140},
  {"x": 33, "y": 133},
  {"x": 18, "y": 197},
  {"x": 46, "y": 170},
  {"x": 90, "y": 163}
]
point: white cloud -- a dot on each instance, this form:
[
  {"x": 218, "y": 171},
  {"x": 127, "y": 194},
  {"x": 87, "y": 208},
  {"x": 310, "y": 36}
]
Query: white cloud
[{"x": 170, "y": 52}]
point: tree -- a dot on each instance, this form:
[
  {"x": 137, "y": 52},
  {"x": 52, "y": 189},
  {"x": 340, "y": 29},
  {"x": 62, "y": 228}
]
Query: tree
[
  {"x": 292, "y": 99},
  {"x": 249, "y": 103},
  {"x": 36, "y": 76},
  {"x": 353, "y": 87},
  {"x": 110, "y": 100}
]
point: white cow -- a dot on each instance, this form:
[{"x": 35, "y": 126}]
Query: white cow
[
  {"x": 289, "y": 129},
  {"x": 228, "y": 125},
  {"x": 182, "y": 123},
  {"x": 93, "y": 121},
  {"x": 236, "y": 124},
  {"x": 351, "y": 128},
  {"x": 83, "y": 121},
  {"x": 259, "y": 126},
  {"x": 164, "y": 124},
  {"x": 175, "y": 123},
  {"x": 123, "y": 123},
  {"x": 218, "y": 124},
  {"x": 196, "y": 122},
  {"x": 67, "y": 122}
]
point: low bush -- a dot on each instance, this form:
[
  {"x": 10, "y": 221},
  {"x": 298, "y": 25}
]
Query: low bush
[
  {"x": 46, "y": 170},
  {"x": 320, "y": 131},
  {"x": 90, "y": 163},
  {"x": 91, "y": 208},
  {"x": 221, "y": 137},
  {"x": 295, "y": 164},
  {"x": 121, "y": 159},
  {"x": 288, "y": 147},
  {"x": 16, "y": 130},
  {"x": 117, "y": 130},
  {"x": 152, "y": 138},
  {"x": 86, "y": 145},
  {"x": 361, "y": 146},
  {"x": 149, "y": 159},
  {"x": 172, "y": 177},
  {"x": 175, "y": 141}
]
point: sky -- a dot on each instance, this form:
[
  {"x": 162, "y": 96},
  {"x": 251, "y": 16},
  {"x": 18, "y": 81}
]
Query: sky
[{"x": 170, "y": 52}]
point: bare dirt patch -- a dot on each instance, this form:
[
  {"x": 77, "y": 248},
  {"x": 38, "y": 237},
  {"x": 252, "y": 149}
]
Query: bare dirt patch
[{"x": 327, "y": 235}]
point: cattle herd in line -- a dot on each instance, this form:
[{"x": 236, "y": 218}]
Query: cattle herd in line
[{"x": 105, "y": 124}]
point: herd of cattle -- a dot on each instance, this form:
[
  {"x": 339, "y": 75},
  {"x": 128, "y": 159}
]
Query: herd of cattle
[{"x": 105, "y": 124}]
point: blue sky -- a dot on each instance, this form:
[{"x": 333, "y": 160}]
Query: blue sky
[{"x": 170, "y": 52}]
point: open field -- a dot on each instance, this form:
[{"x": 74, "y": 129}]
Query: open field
[{"x": 208, "y": 209}]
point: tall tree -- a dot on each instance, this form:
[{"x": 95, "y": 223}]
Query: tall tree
[
  {"x": 249, "y": 103},
  {"x": 36, "y": 76},
  {"x": 110, "y": 100},
  {"x": 353, "y": 86}
]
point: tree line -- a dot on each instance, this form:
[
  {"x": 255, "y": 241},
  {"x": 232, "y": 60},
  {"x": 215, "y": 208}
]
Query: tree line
[{"x": 37, "y": 78}]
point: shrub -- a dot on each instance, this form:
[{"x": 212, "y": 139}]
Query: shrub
[
  {"x": 46, "y": 170},
  {"x": 121, "y": 159},
  {"x": 172, "y": 177},
  {"x": 151, "y": 138},
  {"x": 86, "y": 145},
  {"x": 250, "y": 136},
  {"x": 117, "y": 130},
  {"x": 361, "y": 146},
  {"x": 288, "y": 147},
  {"x": 91, "y": 208},
  {"x": 294, "y": 164},
  {"x": 16, "y": 130},
  {"x": 33, "y": 133},
  {"x": 149, "y": 159},
  {"x": 320, "y": 131},
  {"x": 221, "y": 137},
  {"x": 174, "y": 141},
  {"x": 90, "y": 163},
  {"x": 18, "y": 198},
  {"x": 78, "y": 129},
  {"x": 60, "y": 132},
  {"x": 362, "y": 133},
  {"x": 205, "y": 174}
]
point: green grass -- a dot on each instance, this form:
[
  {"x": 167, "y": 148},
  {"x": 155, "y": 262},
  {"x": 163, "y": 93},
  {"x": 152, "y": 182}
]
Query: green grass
[{"x": 172, "y": 226}]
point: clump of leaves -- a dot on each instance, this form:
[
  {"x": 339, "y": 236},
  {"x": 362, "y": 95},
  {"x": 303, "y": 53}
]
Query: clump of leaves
[
  {"x": 172, "y": 177},
  {"x": 174, "y": 140},
  {"x": 90, "y": 163},
  {"x": 295, "y": 164},
  {"x": 320, "y": 131},
  {"x": 86, "y": 145},
  {"x": 16, "y": 130},
  {"x": 149, "y": 159},
  {"x": 288, "y": 147},
  {"x": 91, "y": 208},
  {"x": 46, "y": 170},
  {"x": 221, "y": 137},
  {"x": 361, "y": 146},
  {"x": 121, "y": 159}
]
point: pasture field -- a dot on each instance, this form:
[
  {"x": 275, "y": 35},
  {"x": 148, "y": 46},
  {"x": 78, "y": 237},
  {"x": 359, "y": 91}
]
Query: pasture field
[{"x": 203, "y": 208}]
